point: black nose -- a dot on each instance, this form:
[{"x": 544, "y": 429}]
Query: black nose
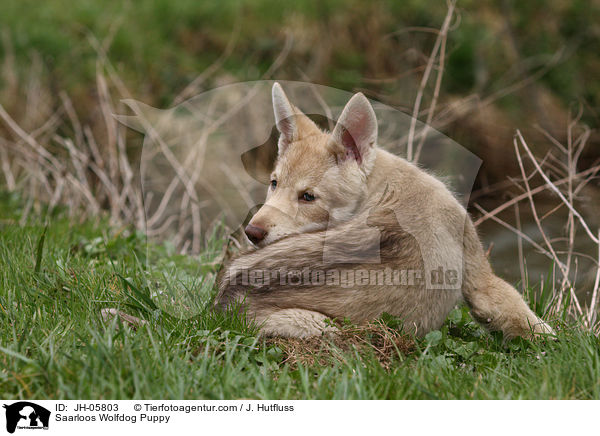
[{"x": 255, "y": 234}]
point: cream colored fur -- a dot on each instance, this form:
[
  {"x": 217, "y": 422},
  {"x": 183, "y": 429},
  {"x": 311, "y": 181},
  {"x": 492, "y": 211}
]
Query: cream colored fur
[{"x": 371, "y": 211}]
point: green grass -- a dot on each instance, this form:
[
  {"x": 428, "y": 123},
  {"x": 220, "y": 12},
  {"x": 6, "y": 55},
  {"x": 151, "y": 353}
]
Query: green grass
[
  {"x": 159, "y": 46},
  {"x": 54, "y": 343}
]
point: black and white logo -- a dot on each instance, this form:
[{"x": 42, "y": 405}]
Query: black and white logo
[{"x": 26, "y": 415}]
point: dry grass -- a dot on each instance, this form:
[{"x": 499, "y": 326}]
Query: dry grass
[
  {"x": 56, "y": 160},
  {"x": 386, "y": 344},
  {"x": 557, "y": 174},
  {"x": 53, "y": 159}
]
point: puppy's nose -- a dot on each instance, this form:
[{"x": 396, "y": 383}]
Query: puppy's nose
[{"x": 255, "y": 233}]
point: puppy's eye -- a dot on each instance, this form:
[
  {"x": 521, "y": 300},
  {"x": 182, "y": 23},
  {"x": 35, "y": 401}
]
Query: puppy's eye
[
  {"x": 307, "y": 197},
  {"x": 273, "y": 184}
]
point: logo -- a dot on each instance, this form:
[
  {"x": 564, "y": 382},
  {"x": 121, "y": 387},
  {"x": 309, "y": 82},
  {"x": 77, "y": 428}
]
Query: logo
[{"x": 26, "y": 415}]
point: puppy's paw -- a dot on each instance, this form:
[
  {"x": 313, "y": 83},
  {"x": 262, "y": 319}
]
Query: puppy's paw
[{"x": 542, "y": 330}]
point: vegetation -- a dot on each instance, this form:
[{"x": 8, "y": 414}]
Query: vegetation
[
  {"x": 54, "y": 342},
  {"x": 86, "y": 302},
  {"x": 158, "y": 47}
]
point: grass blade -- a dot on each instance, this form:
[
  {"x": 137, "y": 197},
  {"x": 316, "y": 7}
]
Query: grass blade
[{"x": 40, "y": 250}]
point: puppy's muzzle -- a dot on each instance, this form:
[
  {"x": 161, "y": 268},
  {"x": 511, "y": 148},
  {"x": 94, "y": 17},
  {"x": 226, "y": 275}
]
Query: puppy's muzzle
[{"x": 255, "y": 233}]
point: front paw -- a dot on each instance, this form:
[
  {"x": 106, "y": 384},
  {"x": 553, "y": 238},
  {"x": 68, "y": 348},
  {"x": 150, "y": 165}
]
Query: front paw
[{"x": 542, "y": 329}]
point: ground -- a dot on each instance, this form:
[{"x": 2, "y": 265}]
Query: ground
[{"x": 57, "y": 275}]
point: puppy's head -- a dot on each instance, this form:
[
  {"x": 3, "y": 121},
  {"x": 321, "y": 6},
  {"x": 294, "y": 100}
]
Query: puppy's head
[{"x": 319, "y": 178}]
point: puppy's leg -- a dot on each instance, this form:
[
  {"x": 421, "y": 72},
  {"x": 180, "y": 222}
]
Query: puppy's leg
[
  {"x": 498, "y": 306},
  {"x": 493, "y": 302},
  {"x": 294, "y": 323}
]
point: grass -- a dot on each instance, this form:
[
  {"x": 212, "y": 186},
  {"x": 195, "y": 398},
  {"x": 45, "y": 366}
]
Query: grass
[
  {"x": 159, "y": 46},
  {"x": 56, "y": 275},
  {"x": 54, "y": 343}
]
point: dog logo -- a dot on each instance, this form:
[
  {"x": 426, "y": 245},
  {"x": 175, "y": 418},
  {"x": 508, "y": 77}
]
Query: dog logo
[{"x": 26, "y": 415}]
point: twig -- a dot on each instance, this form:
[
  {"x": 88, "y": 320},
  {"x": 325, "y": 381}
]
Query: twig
[
  {"x": 519, "y": 233},
  {"x": 592, "y": 313},
  {"x": 593, "y": 171},
  {"x": 438, "y": 81},
  {"x": 425, "y": 79},
  {"x": 557, "y": 191},
  {"x": 520, "y": 248}
]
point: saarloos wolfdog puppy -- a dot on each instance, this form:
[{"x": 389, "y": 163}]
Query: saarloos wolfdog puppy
[{"x": 349, "y": 231}]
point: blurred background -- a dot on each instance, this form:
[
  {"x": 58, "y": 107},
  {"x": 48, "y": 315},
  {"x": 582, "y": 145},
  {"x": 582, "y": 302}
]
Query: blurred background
[{"x": 476, "y": 71}]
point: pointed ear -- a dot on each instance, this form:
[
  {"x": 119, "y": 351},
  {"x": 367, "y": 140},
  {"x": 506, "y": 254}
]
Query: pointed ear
[
  {"x": 285, "y": 119},
  {"x": 291, "y": 123},
  {"x": 355, "y": 134}
]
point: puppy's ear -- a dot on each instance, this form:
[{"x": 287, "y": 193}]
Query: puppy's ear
[
  {"x": 355, "y": 134},
  {"x": 291, "y": 123},
  {"x": 285, "y": 119}
]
